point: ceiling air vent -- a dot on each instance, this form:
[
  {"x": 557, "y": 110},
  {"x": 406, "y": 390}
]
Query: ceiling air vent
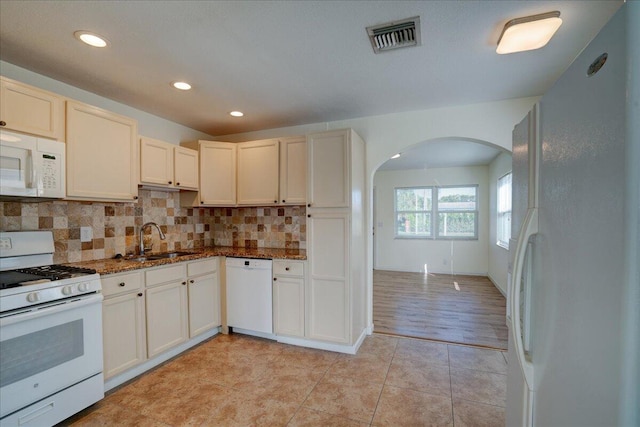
[{"x": 394, "y": 35}]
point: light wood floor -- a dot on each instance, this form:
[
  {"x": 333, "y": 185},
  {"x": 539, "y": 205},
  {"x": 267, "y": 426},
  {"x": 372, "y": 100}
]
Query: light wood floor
[{"x": 429, "y": 306}]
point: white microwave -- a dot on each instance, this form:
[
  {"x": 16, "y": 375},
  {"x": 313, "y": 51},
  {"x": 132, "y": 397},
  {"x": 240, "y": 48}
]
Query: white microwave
[{"x": 31, "y": 167}]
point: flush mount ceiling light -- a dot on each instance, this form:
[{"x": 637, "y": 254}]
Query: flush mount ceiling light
[
  {"x": 92, "y": 39},
  {"x": 395, "y": 156},
  {"x": 528, "y": 33},
  {"x": 181, "y": 85},
  {"x": 236, "y": 113}
]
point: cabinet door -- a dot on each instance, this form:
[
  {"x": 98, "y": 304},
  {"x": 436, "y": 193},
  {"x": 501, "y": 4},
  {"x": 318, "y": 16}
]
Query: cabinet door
[
  {"x": 293, "y": 171},
  {"x": 204, "y": 304},
  {"x": 156, "y": 162},
  {"x": 288, "y": 306},
  {"x": 258, "y": 172},
  {"x": 28, "y": 109},
  {"x": 101, "y": 154},
  {"x": 328, "y": 289},
  {"x": 166, "y": 317},
  {"x": 185, "y": 168},
  {"x": 217, "y": 173},
  {"x": 329, "y": 184},
  {"x": 123, "y": 325}
]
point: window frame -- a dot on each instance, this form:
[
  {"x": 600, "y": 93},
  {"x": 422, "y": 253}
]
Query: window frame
[
  {"x": 434, "y": 212},
  {"x": 499, "y": 214}
]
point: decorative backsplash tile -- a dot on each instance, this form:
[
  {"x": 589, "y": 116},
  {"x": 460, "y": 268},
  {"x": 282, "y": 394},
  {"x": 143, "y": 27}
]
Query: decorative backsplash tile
[{"x": 116, "y": 225}]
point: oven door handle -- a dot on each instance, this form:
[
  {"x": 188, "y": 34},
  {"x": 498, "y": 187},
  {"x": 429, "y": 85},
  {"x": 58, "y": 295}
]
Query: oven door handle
[{"x": 49, "y": 308}]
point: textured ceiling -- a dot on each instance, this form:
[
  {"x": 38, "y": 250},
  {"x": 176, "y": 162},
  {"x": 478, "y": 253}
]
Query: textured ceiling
[{"x": 286, "y": 63}]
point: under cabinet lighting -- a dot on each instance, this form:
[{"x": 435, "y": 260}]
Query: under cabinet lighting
[
  {"x": 181, "y": 85},
  {"x": 236, "y": 113},
  {"x": 90, "y": 38},
  {"x": 528, "y": 33}
]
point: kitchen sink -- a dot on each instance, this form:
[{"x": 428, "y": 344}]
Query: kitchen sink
[{"x": 154, "y": 257}]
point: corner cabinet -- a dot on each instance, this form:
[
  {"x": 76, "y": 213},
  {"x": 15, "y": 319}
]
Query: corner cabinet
[
  {"x": 217, "y": 174},
  {"x": 101, "y": 154},
  {"x": 258, "y": 172},
  {"x": 31, "y": 110},
  {"x": 168, "y": 166},
  {"x": 336, "y": 289}
]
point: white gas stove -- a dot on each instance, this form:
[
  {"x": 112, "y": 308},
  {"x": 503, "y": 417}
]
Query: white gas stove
[{"x": 50, "y": 333}]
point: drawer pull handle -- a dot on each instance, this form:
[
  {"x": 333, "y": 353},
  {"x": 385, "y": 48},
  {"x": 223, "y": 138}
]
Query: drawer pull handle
[
  {"x": 3, "y": 123},
  {"x": 122, "y": 284},
  {"x": 184, "y": 283},
  {"x": 139, "y": 294},
  {"x": 286, "y": 268},
  {"x": 275, "y": 278},
  {"x": 191, "y": 281}
]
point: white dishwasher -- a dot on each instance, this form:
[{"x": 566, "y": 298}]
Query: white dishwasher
[{"x": 249, "y": 296}]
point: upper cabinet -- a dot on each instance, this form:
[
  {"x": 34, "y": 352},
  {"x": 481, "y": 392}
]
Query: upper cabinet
[
  {"x": 30, "y": 110},
  {"x": 329, "y": 183},
  {"x": 101, "y": 154},
  {"x": 293, "y": 171},
  {"x": 166, "y": 165},
  {"x": 217, "y": 174},
  {"x": 258, "y": 172}
]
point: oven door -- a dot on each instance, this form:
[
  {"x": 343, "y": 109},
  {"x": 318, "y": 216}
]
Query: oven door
[{"x": 49, "y": 348}]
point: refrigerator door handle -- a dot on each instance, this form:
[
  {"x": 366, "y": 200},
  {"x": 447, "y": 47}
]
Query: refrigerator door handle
[{"x": 529, "y": 228}]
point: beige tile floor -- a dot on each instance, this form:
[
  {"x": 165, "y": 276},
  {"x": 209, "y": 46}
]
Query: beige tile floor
[{"x": 236, "y": 380}]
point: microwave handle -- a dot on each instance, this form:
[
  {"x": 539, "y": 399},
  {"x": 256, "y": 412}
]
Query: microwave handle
[{"x": 31, "y": 172}]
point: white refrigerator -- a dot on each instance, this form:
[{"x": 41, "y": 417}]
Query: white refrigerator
[{"x": 574, "y": 292}]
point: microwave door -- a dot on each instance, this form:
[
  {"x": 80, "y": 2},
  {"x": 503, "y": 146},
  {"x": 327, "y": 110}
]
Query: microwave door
[{"x": 16, "y": 171}]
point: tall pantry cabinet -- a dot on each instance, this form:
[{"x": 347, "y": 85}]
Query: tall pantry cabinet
[{"x": 336, "y": 237}]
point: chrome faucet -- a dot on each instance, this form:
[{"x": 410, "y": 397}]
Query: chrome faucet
[{"x": 162, "y": 236}]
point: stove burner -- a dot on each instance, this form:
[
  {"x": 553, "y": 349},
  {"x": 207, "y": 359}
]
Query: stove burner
[{"x": 56, "y": 272}]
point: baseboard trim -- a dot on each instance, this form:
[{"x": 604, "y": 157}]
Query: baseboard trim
[
  {"x": 322, "y": 345},
  {"x": 496, "y": 285}
]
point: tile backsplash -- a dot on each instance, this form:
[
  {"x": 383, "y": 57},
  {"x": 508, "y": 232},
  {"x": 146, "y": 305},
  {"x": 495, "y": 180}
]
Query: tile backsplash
[{"x": 116, "y": 226}]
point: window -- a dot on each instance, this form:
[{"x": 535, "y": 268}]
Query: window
[
  {"x": 504, "y": 211},
  {"x": 414, "y": 212},
  {"x": 457, "y": 210},
  {"x": 452, "y": 214}
]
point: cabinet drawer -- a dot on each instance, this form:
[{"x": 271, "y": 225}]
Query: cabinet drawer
[
  {"x": 206, "y": 266},
  {"x": 115, "y": 284},
  {"x": 289, "y": 268},
  {"x": 170, "y": 273}
]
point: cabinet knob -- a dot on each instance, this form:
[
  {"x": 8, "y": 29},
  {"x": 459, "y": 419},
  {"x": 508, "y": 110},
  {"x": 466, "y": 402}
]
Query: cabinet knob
[
  {"x": 275, "y": 278},
  {"x": 177, "y": 184},
  {"x": 202, "y": 203},
  {"x": 184, "y": 283},
  {"x": 283, "y": 201},
  {"x": 135, "y": 197},
  {"x": 139, "y": 294},
  {"x": 309, "y": 205},
  {"x": 275, "y": 201},
  {"x": 122, "y": 284},
  {"x": 286, "y": 268},
  {"x": 3, "y": 123},
  {"x": 191, "y": 281},
  {"x": 170, "y": 182},
  {"x": 309, "y": 216}
]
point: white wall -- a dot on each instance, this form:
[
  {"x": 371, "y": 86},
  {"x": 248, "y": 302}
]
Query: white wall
[
  {"x": 441, "y": 256},
  {"x": 148, "y": 124},
  {"x": 498, "y": 256}
]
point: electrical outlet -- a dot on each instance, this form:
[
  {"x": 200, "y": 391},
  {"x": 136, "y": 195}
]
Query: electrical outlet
[
  {"x": 86, "y": 234},
  {"x": 5, "y": 243}
]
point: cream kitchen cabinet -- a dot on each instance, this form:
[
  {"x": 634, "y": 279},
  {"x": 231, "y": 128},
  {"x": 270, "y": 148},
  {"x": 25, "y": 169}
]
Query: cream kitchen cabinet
[
  {"x": 293, "y": 171},
  {"x": 101, "y": 154},
  {"x": 258, "y": 172},
  {"x": 167, "y": 309},
  {"x": 288, "y": 298},
  {"x": 168, "y": 166},
  {"x": 204, "y": 295},
  {"x": 217, "y": 174},
  {"x": 329, "y": 184},
  {"x": 123, "y": 322},
  {"x": 31, "y": 110},
  {"x": 336, "y": 289}
]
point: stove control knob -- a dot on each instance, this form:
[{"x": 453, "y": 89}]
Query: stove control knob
[
  {"x": 83, "y": 287},
  {"x": 33, "y": 297},
  {"x": 67, "y": 290}
]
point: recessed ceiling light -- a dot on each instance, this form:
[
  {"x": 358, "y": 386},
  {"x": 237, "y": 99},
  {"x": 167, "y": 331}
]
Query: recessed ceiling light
[
  {"x": 181, "y": 85},
  {"x": 90, "y": 38},
  {"x": 237, "y": 113},
  {"x": 395, "y": 156},
  {"x": 529, "y": 32}
]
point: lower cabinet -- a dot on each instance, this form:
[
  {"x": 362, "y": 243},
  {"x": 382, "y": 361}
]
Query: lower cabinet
[
  {"x": 149, "y": 311},
  {"x": 288, "y": 298}
]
